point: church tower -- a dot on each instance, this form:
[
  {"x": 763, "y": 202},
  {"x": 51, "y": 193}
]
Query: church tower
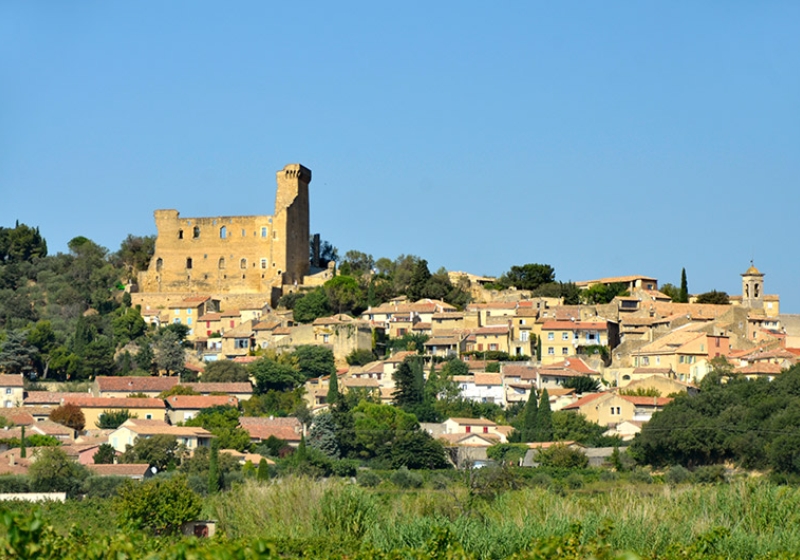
[{"x": 753, "y": 288}]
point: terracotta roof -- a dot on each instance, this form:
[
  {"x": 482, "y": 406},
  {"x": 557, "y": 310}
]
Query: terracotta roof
[
  {"x": 421, "y": 326},
  {"x": 647, "y": 401},
  {"x": 615, "y": 279},
  {"x": 523, "y": 372},
  {"x": 230, "y": 313},
  {"x": 229, "y": 387},
  {"x": 584, "y": 400},
  {"x": 399, "y": 356},
  {"x": 134, "y": 384},
  {"x": 652, "y": 371},
  {"x": 18, "y": 416},
  {"x": 129, "y": 469},
  {"x": 760, "y": 368},
  {"x": 266, "y": 325},
  {"x": 488, "y": 379},
  {"x": 472, "y": 421},
  {"x": 574, "y": 326},
  {"x": 290, "y": 421},
  {"x": 196, "y": 402},
  {"x": 245, "y": 359},
  {"x": 49, "y": 428},
  {"x": 11, "y": 381},
  {"x": 155, "y": 427},
  {"x": 282, "y": 331},
  {"x": 193, "y": 301},
  {"x": 361, "y": 382},
  {"x": 113, "y": 403},
  {"x": 210, "y": 317}
]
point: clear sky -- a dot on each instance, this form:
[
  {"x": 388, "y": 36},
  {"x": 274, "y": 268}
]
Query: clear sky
[{"x": 602, "y": 138}]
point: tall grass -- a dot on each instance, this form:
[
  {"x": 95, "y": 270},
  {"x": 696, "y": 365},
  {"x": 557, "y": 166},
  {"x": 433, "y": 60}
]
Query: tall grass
[{"x": 744, "y": 519}]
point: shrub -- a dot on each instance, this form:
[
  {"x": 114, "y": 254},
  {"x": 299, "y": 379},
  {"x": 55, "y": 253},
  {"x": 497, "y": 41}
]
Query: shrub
[
  {"x": 113, "y": 419},
  {"x": 608, "y": 476},
  {"x": 709, "y": 474},
  {"x": 103, "y": 486},
  {"x": 562, "y": 456},
  {"x": 160, "y": 505},
  {"x": 14, "y": 484},
  {"x": 677, "y": 474},
  {"x": 344, "y": 467},
  {"x": 347, "y": 512},
  {"x": 541, "y": 479},
  {"x": 640, "y": 475},
  {"x": 53, "y": 471},
  {"x": 368, "y": 479},
  {"x": 574, "y": 481},
  {"x": 404, "y": 478}
]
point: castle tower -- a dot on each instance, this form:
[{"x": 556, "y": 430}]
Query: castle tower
[
  {"x": 291, "y": 228},
  {"x": 753, "y": 288}
]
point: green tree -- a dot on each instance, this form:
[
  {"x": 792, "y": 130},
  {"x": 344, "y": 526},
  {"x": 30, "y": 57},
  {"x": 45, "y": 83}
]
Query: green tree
[
  {"x": 409, "y": 383},
  {"x": 113, "y": 419},
  {"x": 544, "y": 419},
  {"x": 713, "y": 297},
  {"x": 263, "y": 470},
  {"x": 603, "y": 293},
  {"x": 582, "y": 384},
  {"x": 45, "y": 339},
  {"x": 507, "y": 453},
  {"x": 223, "y": 422},
  {"x": 178, "y": 390},
  {"x": 684, "y": 293},
  {"x": 160, "y": 505},
  {"x": 562, "y": 456},
  {"x": 323, "y": 435},
  {"x": 528, "y": 276},
  {"x": 134, "y": 253},
  {"x": 225, "y": 371},
  {"x": 16, "y": 354},
  {"x": 672, "y": 291},
  {"x": 104, "y": 455},
  {"x": 169, "y": 354},
  {"x": 343, "y": 293},
  {"x": 21, "y": 244},
  {"x": 160, "y": 451},
  {"x": 573, "y": 426},
  {"x": 418, "y": 280},
  {"x": 359, "y": 263},
  {"x": 128, "y": 325},
  {"x": 360, "y": 357},
  {"x": 53, "y": 471},
  {"x": 333, "y": 390},
  {"x": 214, "y": 476},
  {"x": 273, "y": 376},
  {"x": 529, "y": 415},
  {"x": 314, "y": 361},
  {"x": 312, "y": 306}
]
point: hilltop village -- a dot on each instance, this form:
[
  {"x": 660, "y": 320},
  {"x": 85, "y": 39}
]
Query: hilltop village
[{"x": 265, "y": 329}]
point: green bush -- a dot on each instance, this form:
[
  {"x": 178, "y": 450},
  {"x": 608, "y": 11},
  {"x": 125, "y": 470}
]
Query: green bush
[
  {"x": 344, "y": 467},
  {"x": 103, "y": 486},
  {"x": 160, "y": 505},
  {"x": 404, "y": 478},
  {"x": 640, "y": 475},
  {"x": 347, "y": 512},
  {"x": 562, "y": 456},
  {"x": 14, "y": 484},
  {"x": 677, "y": 474},
  {"x": 709, "y": 474},
  {"x": 368, "y": 479},
  {"x": 608, "y": 476},
  {"x": 541, "y": 479},
  {"x": 574, "y": 481}
]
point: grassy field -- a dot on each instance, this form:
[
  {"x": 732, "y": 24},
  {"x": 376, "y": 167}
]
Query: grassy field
[{"x": 301, "y": 517}]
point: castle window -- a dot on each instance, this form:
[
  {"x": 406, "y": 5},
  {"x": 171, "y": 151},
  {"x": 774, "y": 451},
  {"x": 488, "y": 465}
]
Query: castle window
[
  {"x": 755, "y": 290},
  {"x": 263, "y": 263},
  {"x": 196, "y": 232},
  {"x": 243, "y": 233},
  {"x": 243, "y": 264},
  {"x": 221, "y": 263},
  {"x": 274, "y": 235},
  {"x": 263, "y": 232},
  {"x": 189, "y": 262},
  {"x": 223, "y": 232},
  {"x": 180, "y": 234},
  {"x": 159, "y": 264}
]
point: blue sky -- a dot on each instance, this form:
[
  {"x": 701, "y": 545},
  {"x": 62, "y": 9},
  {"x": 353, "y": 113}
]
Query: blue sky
[{"x": 601, "y": 138}]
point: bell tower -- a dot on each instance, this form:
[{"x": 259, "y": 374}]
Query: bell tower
[{"x": 753, "y": 288}]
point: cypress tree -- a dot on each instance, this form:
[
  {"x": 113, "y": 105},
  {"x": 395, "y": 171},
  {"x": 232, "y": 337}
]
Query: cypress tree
[
  {"x": 213, "y": 468},
  {"x": 538, "y": 340},
  {"x": 529, "y": 415},
  {"x": 544, "y": 419},
  {"x": 263, "y": 470},
  {"x": 23, "y": 452},
  {"x": 333, "y": 390},
  {"x": 684, "y": 293}
]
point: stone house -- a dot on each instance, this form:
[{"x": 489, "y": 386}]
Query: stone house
[
  {"x": 181, "y": 408},
  {"x": 131, "y": 430},
  {"x": 93, "y": 407},
  {"x": 12, "y": 390},
  {"x": 122, "y": 386}
]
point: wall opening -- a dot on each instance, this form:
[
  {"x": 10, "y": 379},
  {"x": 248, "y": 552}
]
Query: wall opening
[
  {"x": 188, "y": 262},
  {"x": 196, "y": 232},
  {"x": 223, "y": 232},
  {"x": 180, "y": 234},
  {"x": 221, "y": 263},
  {"x": 159, "y": 264}
]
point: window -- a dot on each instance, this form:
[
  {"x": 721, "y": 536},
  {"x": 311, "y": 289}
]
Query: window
[
  {"x": 242, "y": 343},
  {"x": 177, "y": 320},
  {"x": 188, "y": 262},
  {"x": 263, "y": 232},
  {"x": 468, "y": 429},
  {"x": 196, "y": 232},
  {"x": 180, "y": 234},
  {"x": 189, "y": 321},
  {"x": 189, "y": 311},
  {"x": 551, "y": 336},
  {"x": 223, "y": 232},
  {"x": 232, "y": 324},
  {"x": 159, "y": 264},
  {"x": 326, "y": 338},
  {"x": 148, "y": 416},
  {"x": 243, "y": 233},
  {"x": 523, "y": 336},
  {"x": 551, "y": 351},
  {"x": 493, "y": 347},
  {"x": 565, "y": 351},
  {"x": 486, "y": 429},
  {"x": 263, "y": 264},
  {"x": 565, "y": 336},
  {"x": 221, "y": 263},
  {"x": 243, "y": 264},
  {"x": 658, "y": 360},
  {"x": 8, "y": 390}
]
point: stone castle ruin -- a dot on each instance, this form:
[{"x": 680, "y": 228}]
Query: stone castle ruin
[{"x": 234, "y": 254}]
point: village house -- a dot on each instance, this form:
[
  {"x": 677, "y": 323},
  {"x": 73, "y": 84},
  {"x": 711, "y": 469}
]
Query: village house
[
  {"x": 609, "y": 408},
  {"x": 181, "y": 408},
  {"x": 134, "y": 429},
  {"x": 288, "y": 429},
  {"x": 146, "y": 408},
  {"x": 188, "y": 312},
  {"x": 685, "y": 351},
  {"x": 561, "y": 339},
  {"x": 242, "y": 390},
  {"x": 482, "y": 388},
  {"x": 12, "y": 390}
]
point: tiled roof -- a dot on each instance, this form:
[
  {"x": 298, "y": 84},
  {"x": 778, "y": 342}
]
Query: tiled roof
[
  {"x": 361, "y": 382},
  {"x": 488, "y": 379},
  {"x": 572, "y": 364},
  {"x": 493, "y": 330},
  {"x": 11, "y": 381},
  {"x": 421, "y": 326},
  {"x": 486, "y": 440},
  {"x": 245, "y": 359},
  {"x": 112, "y": 403},
  {"x": 48, "y": 397},
  {"x": 229, "y": 387},
  {"x": 523, "y": 372},
  {"x": 574, "y": 326},
  {"x": 210, "y": 317},
  {"x": 472, "y": 421},
  {"x": 129, "y": 469},
  {"x": 18, "y": 416},
  {"x": 652, "y": 371},
  {"x": 647, "y": 401},
  {"x": 49, "y": 428},
  {"x": 135, "y": 384},
  {"x": 197, "y": 402},
  {"x": 760, "y": 368},
  {"x": 193, "y": 301},
  {"x": 155, "y": 427},
  {"x": 584, "y": 400}
]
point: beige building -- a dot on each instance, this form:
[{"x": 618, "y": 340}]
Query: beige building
[
  {"x": 611, "y": 409},
  {"x": 561, "y": 339},
  {"x": 12, "y": 390},
  {"x": 132, "y": 430},
  {"x": 94, "y": 407},
  {"x": 235, "y": 254}
]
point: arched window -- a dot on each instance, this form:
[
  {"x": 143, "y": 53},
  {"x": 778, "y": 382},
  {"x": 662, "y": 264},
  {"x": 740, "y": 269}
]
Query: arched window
[
  {"x": 221, "y": 262},
  {"x": 180, "y": 234},
  {"x": 159, "y": 264},
  {"x": 223, "y": 232},
  {"x": 243, "y": 264},
  {"x": 755, "y": 290},
  {"x": 188, "y": 262},
  {"x": 196, "y": 232}
]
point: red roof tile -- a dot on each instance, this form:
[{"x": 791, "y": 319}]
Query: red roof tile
[{"x": 134, "y": 384}]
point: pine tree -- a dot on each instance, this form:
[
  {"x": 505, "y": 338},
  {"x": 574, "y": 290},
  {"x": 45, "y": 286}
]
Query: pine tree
[
  {"x": 529, "y": 415},
  {"x": 263, "y": 470},
  {"x": 213, "y": 468},
  {"x": 544, "y": 419},
  {"x": 684, "y": 293},
  {"x": 333, "y": 390}
]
